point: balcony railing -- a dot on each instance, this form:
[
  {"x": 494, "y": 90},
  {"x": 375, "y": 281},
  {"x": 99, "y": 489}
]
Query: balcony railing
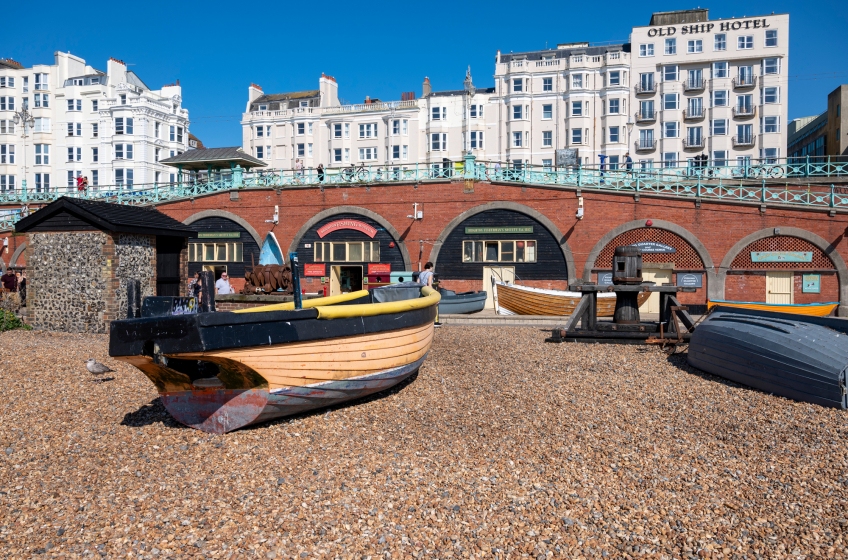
[
  {"x": 743, "y": 141},
  {"x": 693, "y": 114},
  {"x": 693, "y": 85},
  {"x": 744, "y": 111},
  {"x": 645, "y": 145},
  {"x": 646, "y": 88},
  {"x": 648, "y": 116},
  {"x": 692, "y": 143},
  {"x": 744, "y": 81}
]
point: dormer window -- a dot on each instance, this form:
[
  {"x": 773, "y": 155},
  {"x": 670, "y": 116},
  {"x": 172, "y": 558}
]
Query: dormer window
[
  {"x": 263, "y": 107},
  {"x": 123, "y": 99},
  {"x": 304, "y": 103}
]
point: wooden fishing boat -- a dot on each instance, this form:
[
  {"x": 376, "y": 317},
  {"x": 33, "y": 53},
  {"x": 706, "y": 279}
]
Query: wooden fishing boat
[
  {"x": 799, "y": 357},
  {"x": 461, "y": 303},
  {"x": 512, "y": 299},
  {"x": 221, "y": 371},
  {"x": 810, "y": 309}
]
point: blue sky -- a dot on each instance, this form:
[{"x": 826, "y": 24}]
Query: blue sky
[{"x": 216, "y": 49}]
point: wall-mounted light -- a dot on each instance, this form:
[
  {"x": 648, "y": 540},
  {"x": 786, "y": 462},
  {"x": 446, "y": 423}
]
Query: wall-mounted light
[
  {"x": 276, "y": 219},
  {"x": 579, "y": 208},
  {"x": 416, "y": 213},
  {"x": 649, "y": 223}
]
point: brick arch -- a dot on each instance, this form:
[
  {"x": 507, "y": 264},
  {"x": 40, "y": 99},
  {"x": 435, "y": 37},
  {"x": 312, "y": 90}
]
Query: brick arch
[
  {"x": 501, "y": 205},
  {"x": 691, "y": 240},
  {"x": 353, "y": 210},
  {"x": 686, "y": 257},
  {"x": 18, "y": 252},
  {"x": 228, "y": 215},
  {"x": 819, "y": 261},
  {"x": 827, "y": 248}
]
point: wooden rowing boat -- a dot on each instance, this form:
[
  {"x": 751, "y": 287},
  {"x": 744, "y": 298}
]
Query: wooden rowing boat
[
  {"x": 809, "y": 309},
  {"x": 513, "y": 299},
  {"x": 218, "y": 372}
]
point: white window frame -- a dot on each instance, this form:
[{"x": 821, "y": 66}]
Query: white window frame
[
  {"x": 695, "y": 46},
  {"x": 547, "y": 138},
  {"x": 646, "y": 50},
  {"x": 744, "y": 42},
  {"x": 771, "y": 34},
  {"x": 670, "y": 46}
]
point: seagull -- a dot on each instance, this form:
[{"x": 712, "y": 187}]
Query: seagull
[{"x": 96, "y": 367}]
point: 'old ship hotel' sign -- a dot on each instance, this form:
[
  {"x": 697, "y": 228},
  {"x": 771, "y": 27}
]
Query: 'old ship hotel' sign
[{"x": 697, "y": 28}]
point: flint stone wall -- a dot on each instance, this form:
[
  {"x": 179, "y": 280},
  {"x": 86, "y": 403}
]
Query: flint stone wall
[
  {"x": 77, "y": 280},
  {"x": 135, "y": 257}
]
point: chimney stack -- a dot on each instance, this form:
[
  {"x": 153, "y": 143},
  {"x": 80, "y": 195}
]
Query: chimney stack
[{"x": 426, "y": 88}]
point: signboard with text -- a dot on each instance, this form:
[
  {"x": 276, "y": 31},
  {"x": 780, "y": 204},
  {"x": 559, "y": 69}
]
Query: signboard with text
[
  {"x": 781, "y": 256},
  {"x": 501, "y": 229},
  {"x": 355, "y": 225},
  {"x": 314, "y": 269},
  {"x": 654, "y": 247},
  {"x": 379, "y": 268},
  {"x": 690, "y": 280},
  {"x": 218, "y": 235},
  {"x": 811, "y": 283}
]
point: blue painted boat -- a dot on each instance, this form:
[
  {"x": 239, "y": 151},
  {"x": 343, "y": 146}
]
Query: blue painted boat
[
  {"x": 271, "y": 252},
  {"x": 461, "y": 303},
  {"x": 798, "y": 357}
]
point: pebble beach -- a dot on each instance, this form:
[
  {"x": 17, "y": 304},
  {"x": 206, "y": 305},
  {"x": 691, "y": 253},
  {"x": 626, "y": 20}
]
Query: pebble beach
[{"x": 502, "y": 446}]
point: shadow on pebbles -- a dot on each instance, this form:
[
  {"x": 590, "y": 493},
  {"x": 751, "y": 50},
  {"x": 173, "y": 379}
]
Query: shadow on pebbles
[{"x": 502, "y": 446}]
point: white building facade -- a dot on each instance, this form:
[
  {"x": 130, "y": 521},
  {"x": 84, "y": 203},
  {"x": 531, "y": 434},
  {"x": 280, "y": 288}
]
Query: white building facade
[
  {"x": 107, "y": 126},
  {"x": 714, "y": 89},
  {"x": 685, "y": 90}
]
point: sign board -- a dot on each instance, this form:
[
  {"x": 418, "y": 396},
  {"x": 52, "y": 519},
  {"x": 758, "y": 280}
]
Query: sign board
[
  {"x": 379, "y": 268},
  {"x": 183, "y": 306},
  {"x": 781, "y": 256},
  {"x": 690, "y": 280},
  {"x": 314, "y": 269},
  {"x": 503, "y": 229},
  {"x": 356, "y": 225},
  {"x": 811, "y": 283},
  {"x": 605, "y": 279},
  {"x": 218, "y": 234},
  {"x": 707, "y": 27},
  {"x": 654, "y": 247},
  {"x": 567, "y": 157}
]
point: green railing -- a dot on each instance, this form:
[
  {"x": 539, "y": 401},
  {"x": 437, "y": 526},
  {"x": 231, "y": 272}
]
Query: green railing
[{"x": 756, "y": 182}]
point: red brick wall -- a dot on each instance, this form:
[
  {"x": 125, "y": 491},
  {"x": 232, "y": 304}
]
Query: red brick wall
[
  {"x": 718, "y": 226},
  {"x": 477, "y": 285},
  {"x": 751, "y": 286}
]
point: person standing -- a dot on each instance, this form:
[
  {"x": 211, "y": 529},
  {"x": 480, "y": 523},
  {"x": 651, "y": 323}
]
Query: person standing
[
  {"x": 426, "y": 277},
  {"x": 628, "y": 163},
  {"x": 222, "y": 286},
  {"x": 194, "y": 286},
  {"x": 80, "y": 184},
  {"x": 9, "y": 281},
  {"x": 298, "y": 166},
  {"x": 320, "y": 172}
]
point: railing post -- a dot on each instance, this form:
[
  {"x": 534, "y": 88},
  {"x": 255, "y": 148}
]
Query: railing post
[
  {"x": 763, "y": 191},
  {"x": 238, "y": 177},
  {"x": 832, "y": 196},
  {"x": 807, "y": 167},
  {"x": 156, "y": 191},
  {"x": 579, "y": 174}
]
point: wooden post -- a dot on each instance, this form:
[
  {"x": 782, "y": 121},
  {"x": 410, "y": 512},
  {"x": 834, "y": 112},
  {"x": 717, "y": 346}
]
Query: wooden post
[{"x": 207, "y": 288}]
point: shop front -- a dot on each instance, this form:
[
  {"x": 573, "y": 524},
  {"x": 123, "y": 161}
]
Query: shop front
[
  {"x": 782, "y": 269},
  {"x": 348, "y": 252},
  {"x": 222, "y": 245},
  {"x": 667, "y": 258},
  {"x": 503, "y": 245}
]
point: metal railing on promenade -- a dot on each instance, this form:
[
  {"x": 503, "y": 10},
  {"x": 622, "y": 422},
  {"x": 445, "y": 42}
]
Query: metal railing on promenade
[{"x": 751, "y": 182}]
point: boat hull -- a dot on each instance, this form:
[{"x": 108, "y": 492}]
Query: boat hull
[
  {"x": 462, "y": 303},
  {"x": 808, "y": 309},
  {"x": 522, "y": 300},
  {"x": 776, "y": 353},
  {"x": 220, "y": 411}
]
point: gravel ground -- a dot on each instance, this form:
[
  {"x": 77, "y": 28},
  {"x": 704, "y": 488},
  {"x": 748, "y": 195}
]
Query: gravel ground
[{"x": 502, "y": 446}]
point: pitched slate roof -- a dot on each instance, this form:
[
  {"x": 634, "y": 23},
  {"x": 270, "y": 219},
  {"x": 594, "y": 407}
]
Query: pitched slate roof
[
  {"x": 201, "y": 158},
  {"x": 106, "y": 216},
  {"x": 565, "y": 53},
  {"x": 267, "y": 98}
]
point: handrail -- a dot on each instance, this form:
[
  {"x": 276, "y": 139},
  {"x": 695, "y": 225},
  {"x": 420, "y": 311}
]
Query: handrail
[{"x": 724, "y": 182}]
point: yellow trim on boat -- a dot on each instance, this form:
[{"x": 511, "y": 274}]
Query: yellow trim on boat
[
  {"x": 328, "y": 310},
  {"x": 807, "y": 309},
  {"x": 431, "y": 297},
  {"x": 289, "y": 306}
]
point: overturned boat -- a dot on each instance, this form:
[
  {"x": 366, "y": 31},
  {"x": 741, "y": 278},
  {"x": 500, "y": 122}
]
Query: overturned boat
[
  {"x": 514, "y": 299},
  {"x": 798, "y": 357},
  {"x": 461, "y": 303},
  {"x": 220, "y": 371}
]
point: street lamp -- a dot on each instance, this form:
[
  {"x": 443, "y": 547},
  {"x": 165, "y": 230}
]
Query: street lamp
[{"x": 25, "y": 118}]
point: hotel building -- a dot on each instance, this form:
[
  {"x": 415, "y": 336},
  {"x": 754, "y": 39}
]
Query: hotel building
[
  {"x": 715, "y": 88},
  {"x": 107, "y": 125},
  {"x": 684, "y": 87}
]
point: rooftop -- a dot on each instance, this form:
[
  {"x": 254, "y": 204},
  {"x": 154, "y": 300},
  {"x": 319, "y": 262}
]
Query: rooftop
[
  {"x": 106, "y": 216},
  {"x": 565, "y": 52},
  {"x": 203, "y": 158},
  {"x": 269, "y": 97}
]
